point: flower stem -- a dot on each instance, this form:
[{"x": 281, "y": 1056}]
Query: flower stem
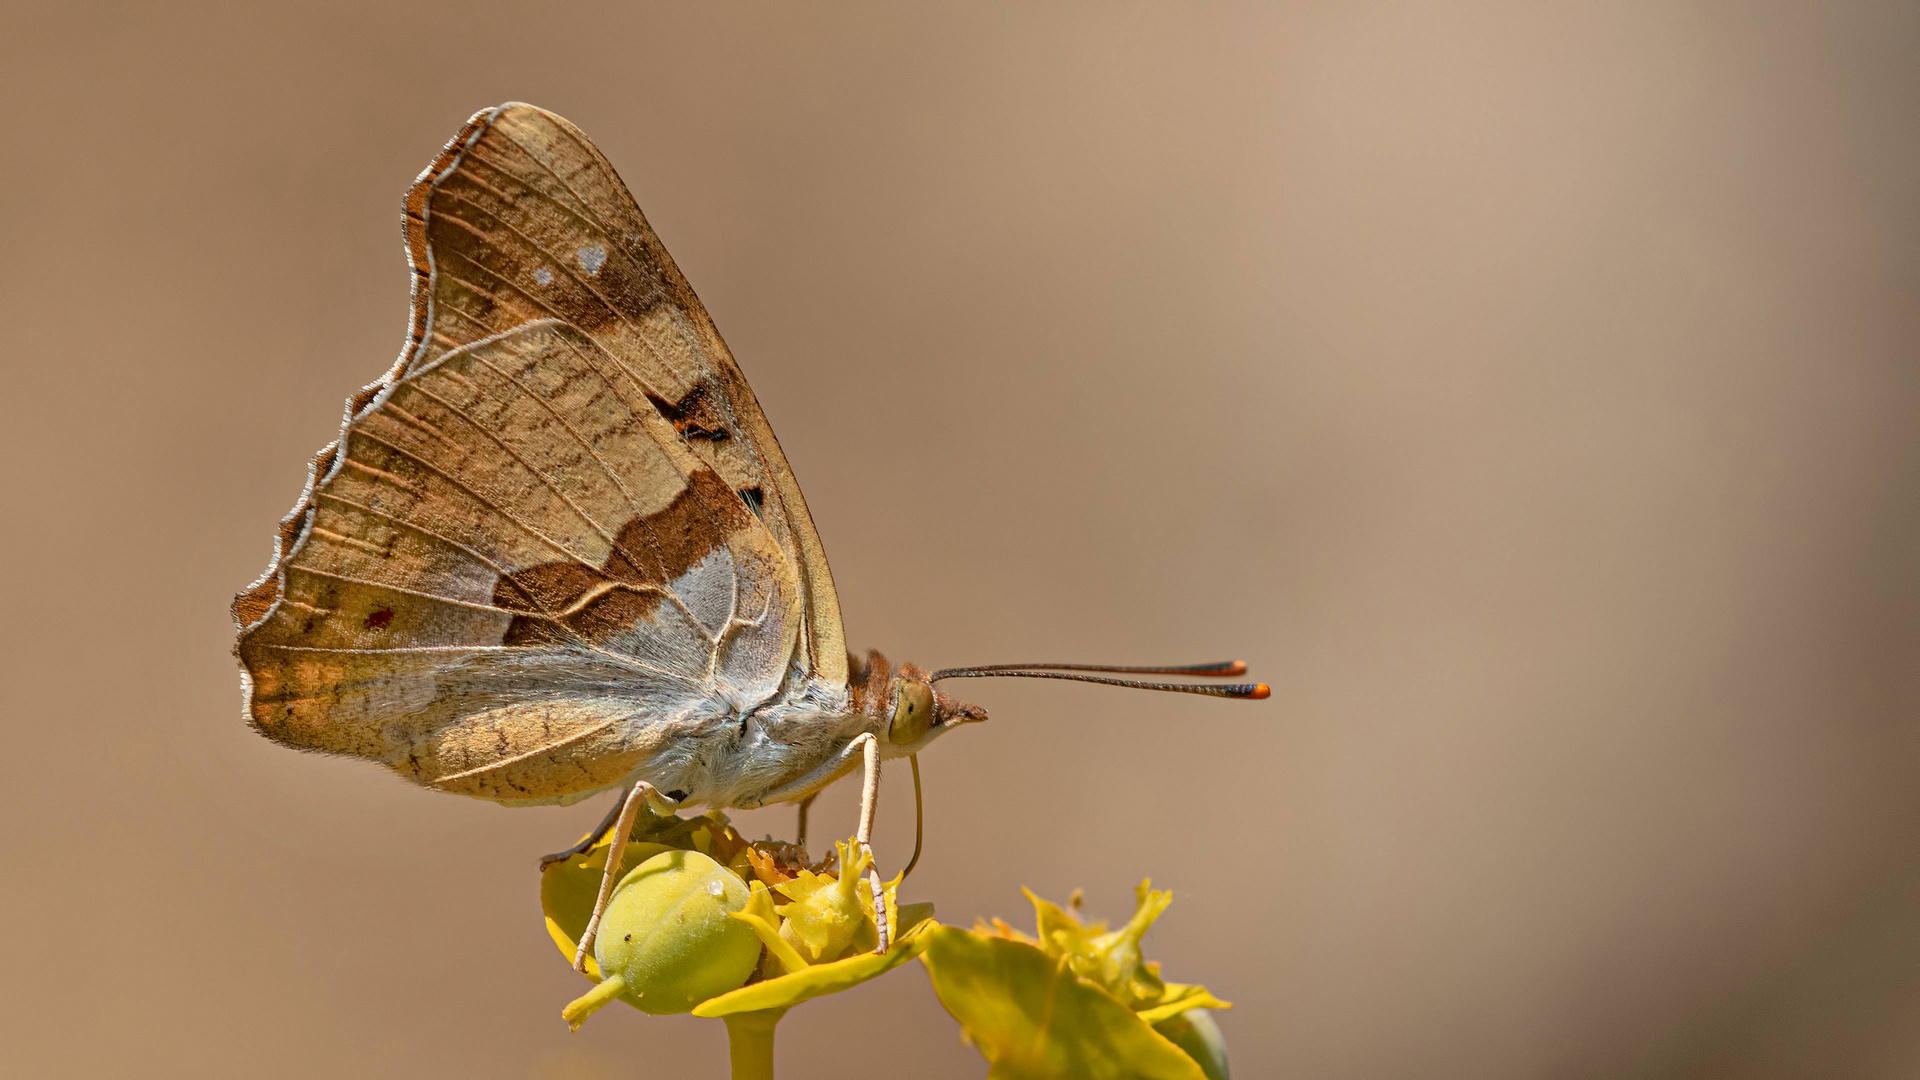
[{"x": 750, "y": 1043}]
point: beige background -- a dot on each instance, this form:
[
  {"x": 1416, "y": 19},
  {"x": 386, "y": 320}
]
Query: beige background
[{"x": 1528, "y": 394}]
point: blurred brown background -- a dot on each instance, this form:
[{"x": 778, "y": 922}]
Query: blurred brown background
[{"x": 1528, "y": 394}]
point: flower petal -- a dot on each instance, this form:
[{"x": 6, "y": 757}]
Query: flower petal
[
  {"x": 759, "y": 914},
  {"x": 1180, "y": 997},
  {"x": 1119, "y": 951}
]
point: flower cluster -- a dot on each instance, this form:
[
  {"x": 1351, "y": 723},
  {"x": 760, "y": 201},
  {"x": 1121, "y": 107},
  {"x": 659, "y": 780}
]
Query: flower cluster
[
  {"x": 821, "y": 940},
  {"x": 1075, "y": 999},
  {"x": 704, "y": 921}
]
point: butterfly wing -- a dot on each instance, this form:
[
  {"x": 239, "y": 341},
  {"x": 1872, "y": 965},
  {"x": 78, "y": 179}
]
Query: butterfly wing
[
  {"x": 509, "y": 557},
  {"x": 522, "y": 218},
  {"x": 561, "y": 510}
]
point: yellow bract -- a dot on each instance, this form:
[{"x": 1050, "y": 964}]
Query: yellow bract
[
  {"x": 1074, "y": 1000},
  {"x": 817, "y": 980}
]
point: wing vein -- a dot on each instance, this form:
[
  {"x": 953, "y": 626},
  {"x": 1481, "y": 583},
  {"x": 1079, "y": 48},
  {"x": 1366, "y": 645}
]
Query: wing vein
[
  {"x": 605, "y": 467},
  {"x": 566, "y": 266},
  {"x": 571, "y": 556},
  {"x": 533, "y": 601},
  {"x": 545, "y": 748},
  {"x": 477, "y": 496},
  {"x": 489, "y": 293},
  {"x": 613, "y": 543},
  {"x": 585, "y": 215},
  {"x": 423, "y": 649},
  {"x": 420, "y": 594},
  {"x": 545, "y": 480}
]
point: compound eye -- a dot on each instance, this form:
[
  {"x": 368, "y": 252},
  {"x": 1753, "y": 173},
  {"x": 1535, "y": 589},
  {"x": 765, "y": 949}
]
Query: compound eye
[{"x": 912, "y": 711}]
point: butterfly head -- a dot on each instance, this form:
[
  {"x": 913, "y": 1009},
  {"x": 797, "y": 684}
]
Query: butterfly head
[
  {"x": 920, "y": 712},
  {"x": 904, "y": 707}
]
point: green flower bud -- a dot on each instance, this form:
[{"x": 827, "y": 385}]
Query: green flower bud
[
  {"x": 666, "y": 942},
  {"x": 1196, "y": 1032}
]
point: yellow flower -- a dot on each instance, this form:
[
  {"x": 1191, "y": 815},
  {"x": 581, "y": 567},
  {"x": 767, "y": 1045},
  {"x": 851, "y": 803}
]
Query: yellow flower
[
  {"x": 1074, "y": 1000},
  {"x": 819, "y": 941},
  {"x": 799, "y": 979},
  {"x": 826, "y": 913}
]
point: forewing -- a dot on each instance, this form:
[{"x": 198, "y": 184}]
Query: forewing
[
  {"x": 508, "y": 562},
  {"x": 521, "y": 218}
]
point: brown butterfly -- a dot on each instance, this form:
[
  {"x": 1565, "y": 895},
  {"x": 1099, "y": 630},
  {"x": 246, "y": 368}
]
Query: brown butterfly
[{"x": 556, "y": 550}]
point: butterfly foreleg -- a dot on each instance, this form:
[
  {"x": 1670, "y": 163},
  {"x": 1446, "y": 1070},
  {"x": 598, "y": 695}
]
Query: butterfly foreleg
[
  {"x": 640, "y": 792},
  {"x": 800, "y": 834}
]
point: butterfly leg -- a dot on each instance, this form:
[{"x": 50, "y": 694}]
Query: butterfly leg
[
  {"x": 584, "y": 846},
  {"x": 869, "y": 799},
  {"x": 622, "y": 829},
  {"x": 800, "y": 836}
]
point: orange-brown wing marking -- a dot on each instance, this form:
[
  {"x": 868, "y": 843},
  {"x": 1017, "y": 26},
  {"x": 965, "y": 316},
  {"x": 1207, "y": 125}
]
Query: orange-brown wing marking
[
  {"x": 521, "y": 218},
  {"x": 509, "y": 557}
]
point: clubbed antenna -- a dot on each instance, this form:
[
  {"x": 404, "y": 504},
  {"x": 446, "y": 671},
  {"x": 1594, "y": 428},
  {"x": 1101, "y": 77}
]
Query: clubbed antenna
[{"x": 1248, "y": 691}]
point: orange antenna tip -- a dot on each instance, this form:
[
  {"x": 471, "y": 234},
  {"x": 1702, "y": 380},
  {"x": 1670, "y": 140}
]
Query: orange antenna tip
[
  {"x": 1260, "y": 690},
  {"x": 1236, "y": 667}
]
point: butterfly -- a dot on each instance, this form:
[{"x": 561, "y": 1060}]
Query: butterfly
[{"x": 556, "y": 549}]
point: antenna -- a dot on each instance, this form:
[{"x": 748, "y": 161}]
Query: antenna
[
  {"x": 1246, "y": 691},
  {"x": 1219, "y": 668}
]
